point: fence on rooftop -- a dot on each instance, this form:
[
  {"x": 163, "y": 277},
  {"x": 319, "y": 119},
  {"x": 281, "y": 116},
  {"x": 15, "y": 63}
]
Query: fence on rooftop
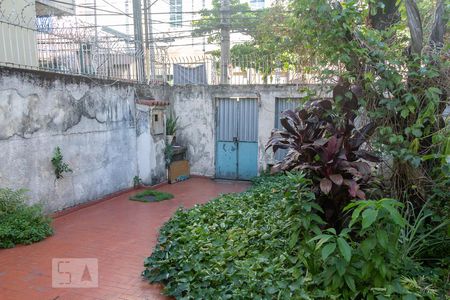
[
  {"x": 70, "y": 45},
  {"x": 66, "y": 45},
  {"x": 243, "y": 70}
]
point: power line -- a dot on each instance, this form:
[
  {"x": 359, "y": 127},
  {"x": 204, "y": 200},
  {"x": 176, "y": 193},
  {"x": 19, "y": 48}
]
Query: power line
[
  {"x": 160, "y": 32},
  {"x": 155, "y": 13},
  {"x": 115, "y": 7},
  {"x": 191, "y": 36},
  {"x": 155, "y": 21},
  {"x": 203, "y": 11},
  {"x": 191, "y": 44},
  {"x": 95, "y": 9}
]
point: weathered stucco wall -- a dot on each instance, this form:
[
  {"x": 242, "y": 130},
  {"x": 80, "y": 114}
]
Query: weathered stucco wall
[
  {"x": 196, "y": 131},
  {"x": 94, "y": 124},
  {"x": 195, "y": 107},
  {"x": 150, "y": 148}
]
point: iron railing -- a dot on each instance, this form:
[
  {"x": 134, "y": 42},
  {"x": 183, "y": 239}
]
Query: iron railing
[
  {"x": 67, "y": 45},
  {"x": 243, "y": 70}
]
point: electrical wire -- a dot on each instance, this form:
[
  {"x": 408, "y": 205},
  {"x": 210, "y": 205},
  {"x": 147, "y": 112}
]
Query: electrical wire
[
  {"x": 115, "y": 7},
  {"x": 209, "y": 10},
  {"x": 191, "y": 44},
  {"x": 153, "y": 13},
  {"x": 160, "y": 32},
  {"x": 93, "y": 8}
]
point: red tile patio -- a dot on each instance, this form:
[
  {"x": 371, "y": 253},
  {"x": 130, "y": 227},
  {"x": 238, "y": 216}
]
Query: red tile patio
[{"x": 118, "y": 232}]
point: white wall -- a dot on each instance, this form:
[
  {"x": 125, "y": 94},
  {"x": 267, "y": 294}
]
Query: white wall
[
  {"x": 94, "y": 124},
  {"x": 150, "y": 147},
  {"x": 195, "y": 107}
]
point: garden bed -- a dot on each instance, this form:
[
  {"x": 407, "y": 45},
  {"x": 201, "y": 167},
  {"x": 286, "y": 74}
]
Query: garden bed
[{"x": 151, "y": 196}]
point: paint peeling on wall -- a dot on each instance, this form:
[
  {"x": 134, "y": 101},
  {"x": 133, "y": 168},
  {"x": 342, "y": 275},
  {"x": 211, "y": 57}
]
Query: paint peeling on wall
[{"x": 93, "y": 123}]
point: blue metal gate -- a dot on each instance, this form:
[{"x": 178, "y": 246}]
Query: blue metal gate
[
  {"x": 282, "y": 104},
  {"x": 237, "y": 138}
]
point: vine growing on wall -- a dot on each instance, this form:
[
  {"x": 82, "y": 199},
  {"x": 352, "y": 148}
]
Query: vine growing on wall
[{"x": 59, "y": 165}]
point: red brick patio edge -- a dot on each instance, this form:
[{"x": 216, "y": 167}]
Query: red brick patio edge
[{"x": 78, "y": 207}]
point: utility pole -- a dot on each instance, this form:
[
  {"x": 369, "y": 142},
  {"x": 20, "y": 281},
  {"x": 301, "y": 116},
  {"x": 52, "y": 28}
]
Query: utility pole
[
  {"x": 151, "y": 42},
  {"x": 139, "y": 47},
  {"x": 225, "y": 40},
  {"x": 95, "y": 22},
  {"x": 146, "y": 40}
]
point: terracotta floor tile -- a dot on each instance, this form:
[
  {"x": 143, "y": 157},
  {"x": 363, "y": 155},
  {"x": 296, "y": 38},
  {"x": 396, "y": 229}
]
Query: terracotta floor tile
[{"x": 118, "y": 232}]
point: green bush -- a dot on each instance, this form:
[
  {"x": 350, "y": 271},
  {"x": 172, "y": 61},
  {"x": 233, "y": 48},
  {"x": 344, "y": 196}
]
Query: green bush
[
  {"x": 271, "y": 243},
  {"x": 226, "y": 248},
  {"x": 20, "y": 223},
  {"x": 366, "y": 265}
]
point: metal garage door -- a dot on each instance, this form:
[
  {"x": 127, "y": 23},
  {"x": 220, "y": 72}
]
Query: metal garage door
[{"x": 237, "y": 138}]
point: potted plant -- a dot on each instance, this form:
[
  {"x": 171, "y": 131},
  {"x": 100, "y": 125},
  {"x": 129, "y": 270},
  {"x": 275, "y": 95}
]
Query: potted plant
[{"x": 171, "y": 128}]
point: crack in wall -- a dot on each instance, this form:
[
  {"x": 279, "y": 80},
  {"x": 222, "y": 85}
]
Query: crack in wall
[{"x": 28, "y": 113}]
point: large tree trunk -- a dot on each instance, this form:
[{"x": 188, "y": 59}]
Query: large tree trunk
[
  {"x": 384, "y": 18},
  {"x": 439, "y": 25},
  {"x": 436, "y": 43},
  {"x": 415, "y": 26}
]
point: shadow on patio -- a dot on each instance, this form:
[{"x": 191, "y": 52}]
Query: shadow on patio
[{"x": 118, "y": 232}]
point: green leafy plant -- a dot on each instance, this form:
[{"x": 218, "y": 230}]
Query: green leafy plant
[
  {"x": 21, "y": 223},
  {"x": 137, "y": 181},
  {"x": 171, "y": 125},
  {"x": 237, "y": 246},
  {"x": 151, "y": 196},
  {"x": 168, "y": 154},
  {"x": 59, "y": 165},
  {"x": 370, "y": 257},
  {"x": 422, "y": 231},
  {"x": 401, "y": 68},
  {"x": 328, "y": 146},
  {"x": 267, "y": 243},
  {"x": 364, "y": 259}
]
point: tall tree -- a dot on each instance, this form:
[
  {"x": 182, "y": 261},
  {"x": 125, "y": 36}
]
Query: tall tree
[
  {"x": 243, "y": 20},
  {"x": 268, "y": 45},
  {"x": 397, "y": 69}
]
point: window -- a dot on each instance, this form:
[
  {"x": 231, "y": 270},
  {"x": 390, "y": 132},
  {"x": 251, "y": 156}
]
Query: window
[
  {"x": 157, "y": 121},
  {"x": 44, "y": 24},
  {"x": 176, "y": 13},
  {"x": 257, "y": 4}
]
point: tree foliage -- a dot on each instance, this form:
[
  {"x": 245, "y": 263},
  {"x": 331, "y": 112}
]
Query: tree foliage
[
  {"x": 400, "y": 66},
  {"x": 327, "y": 145},
  {"x": 268, "y": 35},
  {"x": 242, "y": 20}
]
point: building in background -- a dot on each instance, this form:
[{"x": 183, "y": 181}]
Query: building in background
[
  {"x": 96, "y": 38},
  {"x": 55, "y": 8},
  {"x": 256, "y": 4},
  {"x": 172, "y": 25},
  {"x": 19, "y": 22}
]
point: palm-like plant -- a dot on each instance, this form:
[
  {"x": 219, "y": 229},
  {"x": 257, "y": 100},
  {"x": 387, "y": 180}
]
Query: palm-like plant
[
  {"x": 171, "y": 125},
  {"x": 322, "y": 139}
]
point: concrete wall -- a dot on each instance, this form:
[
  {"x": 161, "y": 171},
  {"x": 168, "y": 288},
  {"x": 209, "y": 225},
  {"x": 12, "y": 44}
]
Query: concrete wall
[
  {"x": 94, "y": 124},
  {"x": 195, "y": 107},
  {"x": 105, "y": 137},
  {"x": 150, "y": 148}
]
